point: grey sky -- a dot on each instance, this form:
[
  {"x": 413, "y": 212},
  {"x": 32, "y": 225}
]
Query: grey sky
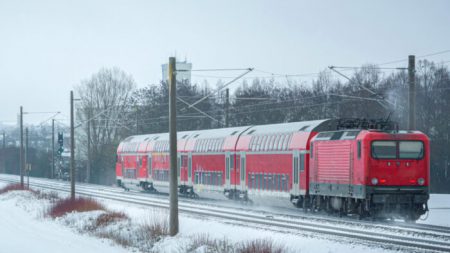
[{"x": 46, "y": 47}]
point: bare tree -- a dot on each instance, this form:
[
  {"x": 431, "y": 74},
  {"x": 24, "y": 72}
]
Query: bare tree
[{"x": 104, "y": 107}]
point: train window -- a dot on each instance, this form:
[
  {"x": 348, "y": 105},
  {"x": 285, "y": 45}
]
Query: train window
[
  {"x": 285, "y": 142},
  {"x": 410, "y": 150},
  {"x": 336, "y": 135},
  {"x": 203, "y": 146},
  {"x": 384, "y": 149},
  {"x": 280, "y": 142},
  {"x": 302, "y": 162},
  {"x": 276, "y": 141},
  {"x": 263, "y": 143},
  {"x": 252, "y": 131},
  {"x": 270, "y": 141},
  {"x": 227, "y": 167},
  {"x": 296, "y": 170},
  {"x": 258, "y": 143},
  {"x": 233, "y": 133},
  {"x": 216, "y": 145},
  {"x": 252, "y": 143},
  {"x": 359, "y": 149}
]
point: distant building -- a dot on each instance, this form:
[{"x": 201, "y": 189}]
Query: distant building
[{"x": 183, "y": 71}]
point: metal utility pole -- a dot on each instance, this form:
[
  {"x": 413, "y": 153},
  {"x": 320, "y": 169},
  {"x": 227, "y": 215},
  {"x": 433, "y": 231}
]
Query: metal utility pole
[
  {"x": 412, "y": 92},
  {"x": 88, "y": 165},
  {"x": 72, "y": 149},
  {"x": 52, "y": 169},
  {"x": 173, "y": 183},
  {"x": 227, "y": 105},
  {"x": 22, "y": 163}
]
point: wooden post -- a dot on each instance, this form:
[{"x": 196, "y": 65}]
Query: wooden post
[{"x": 173, "y": 183}]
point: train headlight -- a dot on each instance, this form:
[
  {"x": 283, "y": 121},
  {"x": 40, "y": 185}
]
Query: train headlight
[
  {"x": 421, "y": 181},
  {"x": 374, "y": 181}
]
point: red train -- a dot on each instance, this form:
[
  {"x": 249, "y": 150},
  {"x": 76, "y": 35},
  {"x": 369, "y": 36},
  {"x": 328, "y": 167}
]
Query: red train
[{"x": 347, "y": 166}]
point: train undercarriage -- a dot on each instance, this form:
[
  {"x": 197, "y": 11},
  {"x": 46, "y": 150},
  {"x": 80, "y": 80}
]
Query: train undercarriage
[{"x": 407, "y": 206}]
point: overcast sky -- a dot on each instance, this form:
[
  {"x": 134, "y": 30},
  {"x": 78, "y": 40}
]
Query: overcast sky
[{"x": 47, "y": 47}]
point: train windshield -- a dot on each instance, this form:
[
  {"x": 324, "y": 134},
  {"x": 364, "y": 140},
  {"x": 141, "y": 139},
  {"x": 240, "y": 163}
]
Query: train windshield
[
  {"x": 410, "y": 149},
  {"x": 384, "y": 149},
  {"x": 406, "y": 149}
]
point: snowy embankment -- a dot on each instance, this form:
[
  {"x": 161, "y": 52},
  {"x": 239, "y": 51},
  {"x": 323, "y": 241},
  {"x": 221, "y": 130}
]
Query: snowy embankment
[{"x": 24, "y": 227}]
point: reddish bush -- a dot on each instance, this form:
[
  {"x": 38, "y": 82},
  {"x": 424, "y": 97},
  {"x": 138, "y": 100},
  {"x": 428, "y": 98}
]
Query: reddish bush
[
  {"x": 79, "y": 204},
  {"x": 105, "y": 219},
  {"x": 13, "y": 187}
]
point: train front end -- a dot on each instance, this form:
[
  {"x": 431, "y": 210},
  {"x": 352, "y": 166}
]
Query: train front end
[{"x": 398, "y": 173}]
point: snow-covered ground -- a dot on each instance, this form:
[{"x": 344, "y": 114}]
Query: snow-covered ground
[
  {"x": 439, "y": 214},
  {"x": 24, "y": 228}
]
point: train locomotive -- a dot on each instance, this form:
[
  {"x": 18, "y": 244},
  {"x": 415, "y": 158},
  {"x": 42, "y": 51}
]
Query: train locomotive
[{"x": 345, "y": 166}]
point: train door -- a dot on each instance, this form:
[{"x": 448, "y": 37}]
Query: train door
[
  {"x": 229, "y": 164},
  {"x": 242, "y": 172},
  {"x": 189, "y": 169},
  {"x": 295, "y": 173},
  {"x": 302, "y": 176},
  {"x": 149, "y": 167}
]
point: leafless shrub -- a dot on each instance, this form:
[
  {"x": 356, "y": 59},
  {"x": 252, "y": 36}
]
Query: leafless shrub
[
  {"x": 51, "y": 196},
  {"x": 155, "y": 227},
  {"x": 117, "y": 238},
  {"x": 108, "y": 218},
  {"x": 210, "y": 245},
  {"x": 259, "y": 246}
]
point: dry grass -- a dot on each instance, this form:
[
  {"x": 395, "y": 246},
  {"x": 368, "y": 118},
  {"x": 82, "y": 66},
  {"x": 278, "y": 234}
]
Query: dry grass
[
  {"x": 124, "y": 242},
  {"x": 79, "y": 204},
  {"x": 211, "y": 244},
  {"x": 155, "y": 227},
  {"x": 52, "y": 196},
  {"x": 108, "y": 218},
  {"x": 259, "y": 246},
  {"x": 13, "y": 187}
]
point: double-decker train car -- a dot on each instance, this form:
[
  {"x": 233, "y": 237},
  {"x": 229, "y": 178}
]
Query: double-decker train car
[{"x": 367, "y": 169}]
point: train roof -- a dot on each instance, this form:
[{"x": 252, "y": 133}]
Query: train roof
[
  {"x": 187, "y": 139},
  {"x": 302, "y": 126}
]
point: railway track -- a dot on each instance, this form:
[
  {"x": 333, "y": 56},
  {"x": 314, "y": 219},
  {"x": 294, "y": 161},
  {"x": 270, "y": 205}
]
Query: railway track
[{"x": 409, "y": 237}]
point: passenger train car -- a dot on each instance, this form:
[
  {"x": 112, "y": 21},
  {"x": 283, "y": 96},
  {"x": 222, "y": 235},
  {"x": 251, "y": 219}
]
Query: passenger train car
[{"x": 366, "y": 169}]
